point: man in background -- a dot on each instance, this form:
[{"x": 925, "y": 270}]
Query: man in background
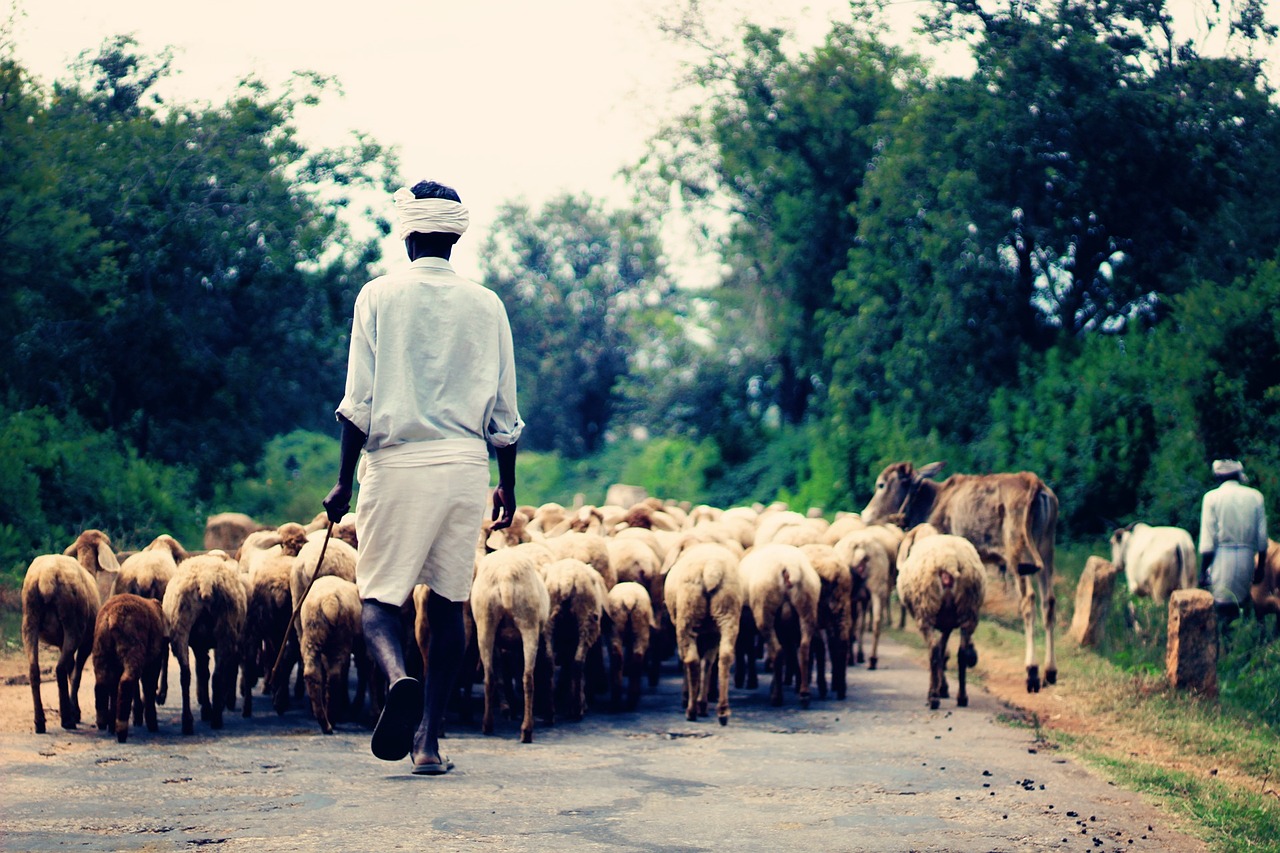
[
  {"x": 431, "y": 384},
  {"x": 1233, "y": 540}
]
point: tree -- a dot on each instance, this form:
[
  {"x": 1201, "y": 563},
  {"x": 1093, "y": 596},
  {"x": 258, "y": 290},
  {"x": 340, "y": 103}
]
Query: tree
[
  {"x": 575, "y": 280},
  {"x": 198, "y": 295}
]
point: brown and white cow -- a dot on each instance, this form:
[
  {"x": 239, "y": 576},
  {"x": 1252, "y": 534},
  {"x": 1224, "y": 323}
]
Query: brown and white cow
[{"x": 1010, "y": 518}]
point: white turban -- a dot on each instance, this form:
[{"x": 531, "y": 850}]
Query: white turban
[{"x": 429, "y": 215}]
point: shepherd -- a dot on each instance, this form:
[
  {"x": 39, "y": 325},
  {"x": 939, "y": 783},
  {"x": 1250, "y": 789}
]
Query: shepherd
[
  {"x": 431, "y": 384},
  {"x": 1233, "y": 540}
]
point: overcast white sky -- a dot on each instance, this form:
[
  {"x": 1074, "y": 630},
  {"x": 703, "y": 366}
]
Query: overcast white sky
[{"x": 501, "y": 99}]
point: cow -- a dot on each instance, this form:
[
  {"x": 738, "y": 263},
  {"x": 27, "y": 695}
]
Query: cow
[
  {"x": 1011, "y": 519},
  {"x": 1156, "y": 561},
  {"x": 1266, "y": 593}
]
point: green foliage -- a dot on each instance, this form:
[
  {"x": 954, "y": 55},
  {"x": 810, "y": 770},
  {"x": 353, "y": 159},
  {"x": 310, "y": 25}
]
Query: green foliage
[
  {"x": 1247, "y": 672},
  {"x": 62, "y": 477},
  {"x": 294, "y": 475}
]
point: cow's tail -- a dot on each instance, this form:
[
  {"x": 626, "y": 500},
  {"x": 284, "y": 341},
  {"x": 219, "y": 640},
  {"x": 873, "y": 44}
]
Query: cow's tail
[{"x": 1041, "y": 525}]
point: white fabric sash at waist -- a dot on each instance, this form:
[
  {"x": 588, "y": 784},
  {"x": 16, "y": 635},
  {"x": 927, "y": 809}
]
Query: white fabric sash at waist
[{"x": 414, "y": 454}]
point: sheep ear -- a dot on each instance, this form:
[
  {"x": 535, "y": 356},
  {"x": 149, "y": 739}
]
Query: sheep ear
[
  {"x": 107, "y": 558},
  {"x": 71, "y": 549}
]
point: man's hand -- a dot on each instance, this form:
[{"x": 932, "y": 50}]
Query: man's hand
[
  {"x": 1206, "y": 560},
  {"x": 504, "y": 506},
  {"x": 338, "y": 502}
]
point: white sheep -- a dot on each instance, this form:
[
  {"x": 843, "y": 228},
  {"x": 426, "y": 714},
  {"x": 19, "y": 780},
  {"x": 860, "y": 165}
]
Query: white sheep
[
  {"x": 704, "y": 595},
  {"x": 204, "y": 610},
  {"x": 147, "y": 572},
  {"x": 630, "y": 625},
  {"x": 835, "y": 617},
  {"x": 510, "y": 604},
  {"x": 329, "y": 632},
  {"x": 942, "y": 583},
  {"x": 782, "y": 591},
  {"x": 577, "y": 597},
  {"x": 868, "y": 559},
  {"x": 339, "y": 560},
  {"x": 129, "y": 651},
  {"x": 61, "y": 594}
]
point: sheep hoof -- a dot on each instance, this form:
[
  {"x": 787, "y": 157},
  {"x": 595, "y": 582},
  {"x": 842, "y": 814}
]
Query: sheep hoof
[
  {"x": 841, "y": 693},
  {"x": 962, "y": 701},
  {"x": 691, "y": 716},
  {"x": 1033, "y": 679},
  {"x": 933, "y": 703},
  {"x": 69, "y": 725},
  {"x": 872, "y": 663},
  {"x": 1050, "y": 676},
  {"x": 724, "y": 719},
  {"x": 804, "y": 702},
  {"x": 526, "y": 737},
  {"x": 861, "y": 658},
  {"x": 188, "y": 725},
  {"x": 40, "y": 727},
  {"x": 122, "y": 735}
]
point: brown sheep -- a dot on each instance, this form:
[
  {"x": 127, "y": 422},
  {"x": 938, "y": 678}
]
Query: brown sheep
[
  {"x": 60, "y": 601},
  {"x": 835, "y": 618},
  {"x": 704, "y": 595},
  {"x": 129, "y": 650},
  {"x": 204, "y": 610},
  {"x": 1266, "y": 594},
  {"x": 863, "y": 551},
  {"x": 225, "y": 531}
]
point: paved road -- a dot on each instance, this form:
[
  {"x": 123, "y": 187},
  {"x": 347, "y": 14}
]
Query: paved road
[{"x": 876, "y": 772}]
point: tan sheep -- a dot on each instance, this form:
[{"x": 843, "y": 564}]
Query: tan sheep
[
  {"x": 590, "y": 548},
  {"x": 61, "y": 594},
  {"x": 629, "y": 626},
  {"x": 268, "y": 610},
  {"x": 835, "y": 617},
  {"x": 339, "y": 560},
  {"x": 129, "y": 651},
  {"x": 868, "y": 559},
  {"x": 704, "y": 595},
  {"x": 329, "y": 632},
  {"x": 147, "y": 572},
  {"x": 510, "y": 604},
  {"x": 204, "y": 610},
  {"x": 845, "y": 523},
  {"x": 942, "y": 583},
  {"x": 226, "y": 531},
  {"x": 782, "y": 591},
  {"x": 577, "y": 597}
]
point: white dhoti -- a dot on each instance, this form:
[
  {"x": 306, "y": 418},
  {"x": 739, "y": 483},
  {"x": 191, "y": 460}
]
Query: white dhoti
[
  {"x": 1231, "y": 573},
  {"x": 418, "y": 518}
]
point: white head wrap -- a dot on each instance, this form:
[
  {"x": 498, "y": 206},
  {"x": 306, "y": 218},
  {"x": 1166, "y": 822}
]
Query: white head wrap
[
  {"x": 1229, "y": 468},
  {"x": 429, "y": 215}
]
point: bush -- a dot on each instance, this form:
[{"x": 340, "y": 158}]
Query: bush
[{"x": 295, "y": 473}]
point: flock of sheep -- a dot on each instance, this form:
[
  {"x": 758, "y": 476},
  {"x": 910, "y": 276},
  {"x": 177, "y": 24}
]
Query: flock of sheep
[{"x": 553, "y": 595}]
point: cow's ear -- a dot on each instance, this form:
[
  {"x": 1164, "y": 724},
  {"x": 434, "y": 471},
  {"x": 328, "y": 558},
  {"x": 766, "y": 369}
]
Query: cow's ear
[{"x": 930, "y": 470}]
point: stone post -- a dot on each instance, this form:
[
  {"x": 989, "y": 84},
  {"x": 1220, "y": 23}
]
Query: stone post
[
  {"x": 1093, "y": 599},
  {"x": 1191, "y": 659}
]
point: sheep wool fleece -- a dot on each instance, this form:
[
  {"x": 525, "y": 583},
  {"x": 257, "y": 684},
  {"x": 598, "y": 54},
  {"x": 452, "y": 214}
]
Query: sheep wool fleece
[{"x": 420, "y": 507}]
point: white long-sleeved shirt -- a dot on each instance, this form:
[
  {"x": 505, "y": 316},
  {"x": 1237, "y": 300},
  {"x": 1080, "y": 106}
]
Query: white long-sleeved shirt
[{"x": 431, "y": 359}]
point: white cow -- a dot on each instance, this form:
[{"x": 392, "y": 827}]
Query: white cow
[{"x": 1156, "y": 561}]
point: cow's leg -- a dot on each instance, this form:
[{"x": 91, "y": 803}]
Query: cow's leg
[
  {"x": 1048, "y": 612},
  {"x": 1026, "y": 598}
]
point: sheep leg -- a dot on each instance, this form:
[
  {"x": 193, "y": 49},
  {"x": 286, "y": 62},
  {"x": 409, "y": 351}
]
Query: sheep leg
[
  {"x": 150, "y": 676},
  {"x": 877, "y": 621},
  {"x": 1027, "y": 607},
  {"x": 137, "y": 703},
  {"x": 692, "y": 683},
  {"x": 68, "y": 707},
  {"x": 773, "y": 652},
  {"x": 635, "y": 666},
  {"x": 124, "y": 702},
  {"x": 31, "y": 645},
  {"x": 484, "y": 642},
  {"x": 705, "y": 664},
  {"x": 839, "y": 646},
  {"x": 966, "y": 657},
  {"x": 529, "y": 640},
  {"x": 931, "y": 643},
  {"x": 163, "y": 693},
  {"x": 944, "y": 689},
  {"x": 1048, "y": 608},
  {"x": 226, "y": 665},
  {"x": 802, "y": 654},
  {"x": 818, "y": 662},
  {"x": 616, "y": 658},
  {"x": 103, "y": 694},
  {"x": 202, "y": 684},
  {"x": 315, "y": 691},
  {"x": 184, "y": 684},
  {"x": 727, "y": 642},
  {"x": 577, "y": 684}
]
